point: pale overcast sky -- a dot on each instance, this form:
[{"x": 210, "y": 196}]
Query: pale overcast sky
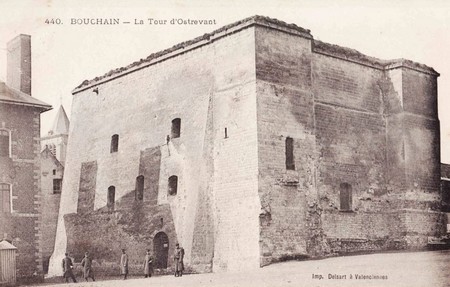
[{"x": 64, "y": 55}]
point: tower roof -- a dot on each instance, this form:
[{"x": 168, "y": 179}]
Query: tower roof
[{"x": 61, "y": 123}]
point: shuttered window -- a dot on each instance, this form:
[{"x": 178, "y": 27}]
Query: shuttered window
[
  {"x": 4, "y": 143},
  {"x": 5, "y": 205}
]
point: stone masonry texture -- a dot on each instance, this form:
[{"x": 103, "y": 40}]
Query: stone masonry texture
[{"x": 355, "y": 121}]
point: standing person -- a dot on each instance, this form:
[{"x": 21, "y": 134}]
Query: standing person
[
  {"x": 67, "y": 266},
  {"x": 124, "y": 264},
  {"x": 148, "y": 265},
  {"x": 178, "y": 258},
  {"x": 87, "y": 267}
]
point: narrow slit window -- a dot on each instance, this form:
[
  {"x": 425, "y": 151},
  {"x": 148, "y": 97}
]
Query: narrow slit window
[
  {"x": 290, "y": 164},
  {"x": 111, "y": 198},
  {"x": 176, "y": 128},
  {"x": 4, "y": 143},
  {"x": 173, "y": 185},
  {"x": 5, "y": 205},
  {"x": 114, "y": 143},
  {"x": 345, "y": 197},
  {"x": 226, "y": 133},
  {"x": 140, "y": 187}
]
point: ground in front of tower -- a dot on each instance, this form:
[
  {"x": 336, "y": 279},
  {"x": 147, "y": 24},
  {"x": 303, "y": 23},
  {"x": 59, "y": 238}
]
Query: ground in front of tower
[{"x": 389, "y": 269}]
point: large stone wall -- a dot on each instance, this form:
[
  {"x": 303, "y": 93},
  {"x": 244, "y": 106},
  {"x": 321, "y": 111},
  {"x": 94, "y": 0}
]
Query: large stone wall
[
  {"x": 104, "y": 234},
  {"x": 216, "y": 79},
  {"x": 285, "y": 109},
  {"x": 352, "y": 121}
]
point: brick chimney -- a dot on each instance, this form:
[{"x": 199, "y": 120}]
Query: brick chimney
[{"x": 18, "y": 73}]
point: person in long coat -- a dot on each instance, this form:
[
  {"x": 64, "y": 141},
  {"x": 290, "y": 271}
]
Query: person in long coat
[
  {"x": 67, "y": 266},
  {"x": 124, "y": 264},
  {"x": 86, "y": 263},
  {"x": 178, "y": 258},
  {"x": 148, "y": 265}
]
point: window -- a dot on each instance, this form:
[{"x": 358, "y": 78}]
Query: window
[
  {"x": 140, "y": 187},
  {"x": 5, "y": 204},
  {"x": 114, "y": 143},
  {"x": 57, "y": 185},
  {"x": 111, "y": 197},
  {"x": 173, "y": 185},
  {"x": 345, "y": 196},
  {"x": 4, "y": 143},
  {"x": 176, "y": 128},
  {"x": 290, "y": 164},
  {"x": 54, "y": 172}
]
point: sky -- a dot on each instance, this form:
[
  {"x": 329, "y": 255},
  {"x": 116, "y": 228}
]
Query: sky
[{"x": 64, "y": 55}]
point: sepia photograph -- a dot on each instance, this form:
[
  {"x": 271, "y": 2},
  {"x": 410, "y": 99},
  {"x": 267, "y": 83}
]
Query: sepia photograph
[{"x": 224, "y": 143}]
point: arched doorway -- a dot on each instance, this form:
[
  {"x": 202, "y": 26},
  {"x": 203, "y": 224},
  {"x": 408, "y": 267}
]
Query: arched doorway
[{"x": 161, "y": 249}]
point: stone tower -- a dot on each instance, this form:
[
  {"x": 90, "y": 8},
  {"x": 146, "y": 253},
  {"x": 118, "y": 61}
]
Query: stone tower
[{"x": 250, "y": 145}]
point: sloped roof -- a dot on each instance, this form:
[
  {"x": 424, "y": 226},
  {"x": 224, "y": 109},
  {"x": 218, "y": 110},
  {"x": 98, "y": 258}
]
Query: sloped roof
[
  {"x": 61, "y": 123},
  {"x": 4, "y": 245},
  {"x": 46, "y": 153},
  {"x": 12, "y": 96}
]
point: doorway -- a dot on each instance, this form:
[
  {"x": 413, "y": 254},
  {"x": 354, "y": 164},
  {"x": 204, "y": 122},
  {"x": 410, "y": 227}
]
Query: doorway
[{"x": 161, "y": 250}]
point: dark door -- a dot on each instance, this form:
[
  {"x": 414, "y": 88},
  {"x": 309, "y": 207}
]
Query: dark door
[{"x": 161, "y": 249}]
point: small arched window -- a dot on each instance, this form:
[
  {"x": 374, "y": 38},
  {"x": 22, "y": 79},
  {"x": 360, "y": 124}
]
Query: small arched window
[
  {"x": 140, "y": 187},
  {"x": 176, "y": 128},
  {"x": 4, "y": 143},
  {"x": 173, "y": 185},
  {"x": 114, "y": 143},
  {"x": 345, "y": 196},
  {"x": 289, "y": 149},
  {"x": 111, "y": 197}
]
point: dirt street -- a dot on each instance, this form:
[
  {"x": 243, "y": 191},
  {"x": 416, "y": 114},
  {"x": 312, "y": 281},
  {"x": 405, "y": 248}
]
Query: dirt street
[{"x": 392, "y": 269}]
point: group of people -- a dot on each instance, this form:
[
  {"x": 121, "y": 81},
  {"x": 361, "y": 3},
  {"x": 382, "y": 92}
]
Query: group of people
[
  {"x": 86, "y": 263},
  {"x": 148, "y": 264}
]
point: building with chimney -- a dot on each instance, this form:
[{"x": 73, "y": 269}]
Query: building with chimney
[
  {"x": 20, "y": 218},
  {"x": 250, "y": 145}
]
